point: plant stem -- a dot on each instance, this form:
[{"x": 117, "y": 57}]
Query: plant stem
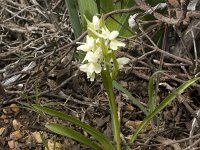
[{"x": 107, "y": 82}]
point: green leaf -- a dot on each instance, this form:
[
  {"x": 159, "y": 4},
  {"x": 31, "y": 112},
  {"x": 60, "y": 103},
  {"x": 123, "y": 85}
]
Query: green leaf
[
  {"x": 87, "y": 8},
  {"x": 134, "y": 100},
  {"x": 95, "y": 133},
  {"x": 162, "y": 105},
  {"x": 74, "y": 17},
  {"x": 152, "y": 97},
  {"x": 152, "y": 101},
  {"x": 124, "y": 28},
  {"x": 105, "y": 7},
  {"x": 64, "y": 131}
]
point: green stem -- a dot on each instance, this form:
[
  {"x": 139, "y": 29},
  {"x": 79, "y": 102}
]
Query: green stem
[{"x": 107, "y": 82}]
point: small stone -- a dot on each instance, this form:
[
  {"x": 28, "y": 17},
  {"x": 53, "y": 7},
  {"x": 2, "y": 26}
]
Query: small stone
[
  {"x": 133, "y": 124},
  {"x": 129, "y": 108},
  {"x": 11, "y": 144},
  {"x": 16, "y": 135},
  {"x": 4, "y": 116},
  {"x": 37, "y": 137},
  {"x": 14, "y": 108},
  {"x": 30, "y": 140},
  {"x": 16, "y": 125},
  {"x": 6, "y": 121},
  {"x": 52, "y": 145}
]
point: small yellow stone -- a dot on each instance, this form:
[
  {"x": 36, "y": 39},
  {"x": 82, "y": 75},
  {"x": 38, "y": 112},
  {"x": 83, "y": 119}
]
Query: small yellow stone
[
  {"x": 4, "y": 117},
  {"x": 52, "y": 144},
  {"x": 16, "y": 124},
  {"x": 37, "y": 137},
  {"x": 16, "y": 135},
  {"x": 11, "y": 144},
  {"x": 14, "y": 108},
  {"x": 6, "y": 120}
]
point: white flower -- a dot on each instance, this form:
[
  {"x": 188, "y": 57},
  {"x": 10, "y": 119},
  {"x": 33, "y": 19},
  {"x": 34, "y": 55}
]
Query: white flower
[
  {"x": 111, "y": 36},
  {"x": 94, "y": 57},
  {"x": 106, "y": 34},
  {"x": 122, "y": 61},
  {"x": 91, "y": 69},
  {"x": 88, "y": 46},
  {"x": 95, "y": 22},
  {"x": 114, "y": 44},
  {"x": 132, "y": 21}
]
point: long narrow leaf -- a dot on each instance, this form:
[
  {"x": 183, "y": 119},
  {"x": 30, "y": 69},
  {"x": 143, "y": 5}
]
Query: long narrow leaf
[
  {"x": 95, "y": 133},
  {"x": 87, "y": 8},
  {"x": 64, "y": 131},
  {"x": 163, "y": 104},
  {"x": 134, "y": 100},
  {"x": 151, "y": 102},
  {"x": 74, "y": 17},
  {"x": 152, "y": 97}
]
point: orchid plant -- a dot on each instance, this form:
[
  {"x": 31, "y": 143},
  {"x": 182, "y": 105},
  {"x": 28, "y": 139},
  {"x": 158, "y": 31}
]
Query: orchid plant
[
  {"x": 100, "y": 47},
  {"x": 100, "y": 50}
]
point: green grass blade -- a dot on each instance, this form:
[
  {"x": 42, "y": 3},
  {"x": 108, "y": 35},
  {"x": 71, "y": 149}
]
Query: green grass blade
[
  {"x": 64, "y": 131},
  {"x": 74, "y": 17},
  {"x": 162, "y": 105},
  {"x": 152, "y": 101},
  {"x": 134, "y": 100},
  {"x": 152, "y": 97},
  {"x": 87, "y": 8},
  {"x": 92, "y": 131}
]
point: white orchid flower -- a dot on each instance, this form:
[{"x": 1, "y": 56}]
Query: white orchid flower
[
  {"x": 91, "y": 69},
  {"x": 106, "y": 34},
  {"x": 122, "y": 61},
  {"x": 114, "y": 44},
  {"x": 111, "y": 36},
  {"x": 88, "y": 46},
  {"x": 94, "y": 58}
]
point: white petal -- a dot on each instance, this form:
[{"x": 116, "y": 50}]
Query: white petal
[
  {"x": 84, "y": 67},
  {"x": 105, "y": 33},
  {"x": 122, "y": 61},
  {"x": 88, "y": 46},
  {"x": 113, "y": 45},
  {"x": 98, "y": 53},
  {"x": 90, "y": 41},
  {"x": 91, "y": 57},
  {"x": 84, "y": 48},
  {"x": 97, "y": 68},
  {"x": 95, "y": 22},
  {"x": 121, "y": 44},
  {"x": 91, "y": 68},
  {"x": 92, "y": 76},
  {"x": 113, "y": 35}
]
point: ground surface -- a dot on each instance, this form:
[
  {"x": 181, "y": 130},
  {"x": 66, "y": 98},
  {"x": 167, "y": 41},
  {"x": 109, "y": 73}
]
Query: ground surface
[{"x": 32, "y": 55}]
